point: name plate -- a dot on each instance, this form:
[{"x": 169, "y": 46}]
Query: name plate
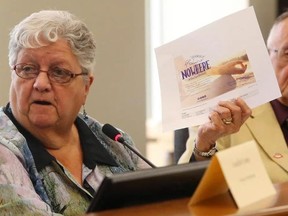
[{"x": 239, "y": 169}]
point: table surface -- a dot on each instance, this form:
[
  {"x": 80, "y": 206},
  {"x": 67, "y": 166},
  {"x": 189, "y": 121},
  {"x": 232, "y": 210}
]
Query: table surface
[{"x": 275, "y": 205}]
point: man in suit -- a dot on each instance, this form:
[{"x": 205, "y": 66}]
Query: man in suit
[{"x": 232, "y": 122}]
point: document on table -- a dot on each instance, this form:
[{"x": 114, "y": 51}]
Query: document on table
[{"x": 224, "y": 60}]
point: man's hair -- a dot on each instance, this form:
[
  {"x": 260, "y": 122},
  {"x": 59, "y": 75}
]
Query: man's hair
[{"x": 281, "y": 17}]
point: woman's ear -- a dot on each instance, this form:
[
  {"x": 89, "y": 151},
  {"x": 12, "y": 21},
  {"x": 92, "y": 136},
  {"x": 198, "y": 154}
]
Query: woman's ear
[{"x": 89, "y": 83}]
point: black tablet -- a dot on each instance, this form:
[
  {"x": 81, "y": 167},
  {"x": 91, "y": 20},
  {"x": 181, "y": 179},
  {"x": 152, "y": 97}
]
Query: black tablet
[{"x": 148, "y": 185}]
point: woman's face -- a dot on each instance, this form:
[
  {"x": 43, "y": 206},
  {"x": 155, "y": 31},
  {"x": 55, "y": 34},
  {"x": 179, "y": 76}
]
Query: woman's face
[{"x": 42, "y": 103}]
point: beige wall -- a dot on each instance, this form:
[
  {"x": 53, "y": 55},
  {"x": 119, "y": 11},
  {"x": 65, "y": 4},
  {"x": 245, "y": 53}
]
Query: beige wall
[
  {"x": 266, "y": 11},
  {"x": 118, "y": 94}
]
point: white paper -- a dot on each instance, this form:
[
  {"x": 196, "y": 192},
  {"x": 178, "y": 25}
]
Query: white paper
[{"x": 189, "y": 92}]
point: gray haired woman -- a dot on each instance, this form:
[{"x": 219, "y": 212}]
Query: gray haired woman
[{"x": 53, "y": 158}]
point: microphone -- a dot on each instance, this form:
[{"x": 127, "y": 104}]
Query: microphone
[{"x": 114, "y": 134}]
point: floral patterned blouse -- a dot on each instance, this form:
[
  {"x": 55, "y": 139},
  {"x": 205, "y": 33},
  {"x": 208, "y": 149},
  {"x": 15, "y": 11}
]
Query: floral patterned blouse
[{"x": 33, "y": 182}]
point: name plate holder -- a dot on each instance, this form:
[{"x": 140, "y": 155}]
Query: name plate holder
[{"x": 239, "y": 169}]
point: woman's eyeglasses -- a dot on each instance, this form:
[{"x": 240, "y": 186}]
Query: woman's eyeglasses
[{"x": 55, "y": 74}]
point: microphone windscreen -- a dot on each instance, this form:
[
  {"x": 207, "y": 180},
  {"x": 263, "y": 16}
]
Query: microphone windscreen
[{"x": 110, "y": 131}]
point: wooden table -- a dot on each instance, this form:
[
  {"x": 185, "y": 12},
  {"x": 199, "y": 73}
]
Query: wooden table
[{"x": 221, "y": 205}]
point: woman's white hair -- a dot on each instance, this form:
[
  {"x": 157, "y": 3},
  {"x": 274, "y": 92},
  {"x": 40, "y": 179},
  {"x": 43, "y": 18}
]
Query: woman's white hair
[{"x": 47, "y": 26}]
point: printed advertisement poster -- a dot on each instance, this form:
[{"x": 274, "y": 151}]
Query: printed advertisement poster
[{"x": 221, "y": 61}]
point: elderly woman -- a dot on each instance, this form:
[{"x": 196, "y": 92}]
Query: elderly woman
[{"x": 52, "y": 157}]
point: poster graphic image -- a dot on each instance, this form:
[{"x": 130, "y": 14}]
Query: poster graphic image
[{"x": 199, "y": 80}]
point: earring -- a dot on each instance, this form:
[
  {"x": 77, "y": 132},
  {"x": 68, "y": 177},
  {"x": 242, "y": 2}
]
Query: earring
[{"x": 84, "y": 113}]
